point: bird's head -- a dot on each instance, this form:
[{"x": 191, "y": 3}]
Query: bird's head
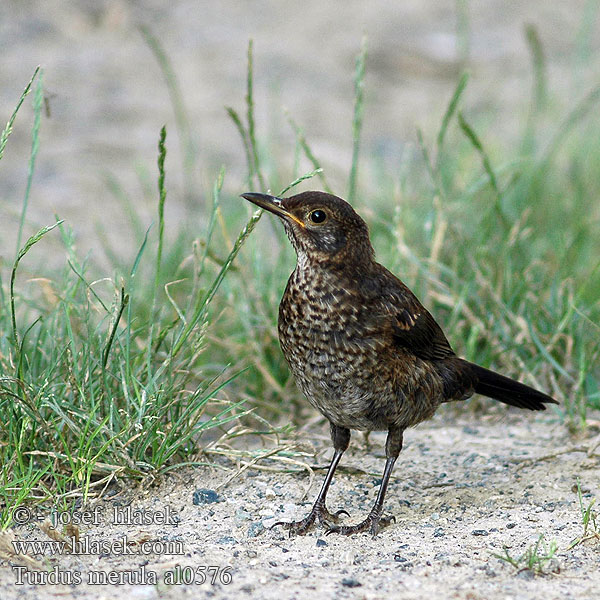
[{"x": 322, "y": 228}]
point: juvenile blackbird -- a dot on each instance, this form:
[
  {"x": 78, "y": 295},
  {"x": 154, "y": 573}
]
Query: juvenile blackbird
[{"x": 361, "y": 346}]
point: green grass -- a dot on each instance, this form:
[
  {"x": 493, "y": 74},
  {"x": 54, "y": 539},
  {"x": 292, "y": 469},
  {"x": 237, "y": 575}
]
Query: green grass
[
  {"x": 540, "y": 557},
  {"x": 135, "y": 373},
  {"x": 537, "y": 558},
  {"x": 589, "y": 521}
]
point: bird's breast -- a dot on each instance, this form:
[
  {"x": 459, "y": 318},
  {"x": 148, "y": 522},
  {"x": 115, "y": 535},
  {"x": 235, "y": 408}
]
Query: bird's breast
[
  {"x": 325, "y": 323},
  {"x": 333, "y": 348}
]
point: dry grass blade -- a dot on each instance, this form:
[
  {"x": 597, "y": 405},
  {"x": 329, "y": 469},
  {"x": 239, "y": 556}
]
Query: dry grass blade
[{"x": 9, "y": 554}]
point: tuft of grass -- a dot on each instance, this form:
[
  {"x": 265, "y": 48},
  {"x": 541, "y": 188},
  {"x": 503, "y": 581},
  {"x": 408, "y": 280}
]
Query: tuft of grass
[
  {"x": 536, "y": 558},
  {"x": 109, "y": 378},
  {"x": 589, "y": 521},
  {"x": 94, "y": 389},
  {"x": 540, "y": 557}
]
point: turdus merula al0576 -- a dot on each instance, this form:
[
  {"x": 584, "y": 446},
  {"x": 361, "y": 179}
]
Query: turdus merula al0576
[{"x": 361, "y": 346}]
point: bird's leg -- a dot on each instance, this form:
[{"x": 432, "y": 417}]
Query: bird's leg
[
  {"x": 341, "y": 438},
  {"x": 375, "y": 521}
]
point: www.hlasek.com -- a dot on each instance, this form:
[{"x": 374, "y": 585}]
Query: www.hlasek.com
[{"x": 85, "y": 545}]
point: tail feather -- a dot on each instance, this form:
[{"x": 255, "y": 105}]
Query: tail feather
[{"x": 496, "y": 386}]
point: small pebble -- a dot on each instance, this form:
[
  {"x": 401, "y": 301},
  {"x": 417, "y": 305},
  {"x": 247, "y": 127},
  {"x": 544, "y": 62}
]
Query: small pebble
[
  {"x": 351, "y": 583},
  {"x": 227, "y": 539},
  {"x": 470, "y": 430},
  {"x": 255, "y": 529},
  {"x": 479, "y": 532},
  {"x": 321, "y": 543},
  {"x": 526, "y": 574},
  {"x": 205, "y": 496}
]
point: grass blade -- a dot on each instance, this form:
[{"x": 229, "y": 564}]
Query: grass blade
[
  {"x": 538, "y": 59},
  {"x": 162, "y": 195},
  {"x": 181, "y": 118},
  {"x": 9, "y": 125},
  {"x": 250, "y": 117},
  {"x": 18, "y": 349},
  {"x": 301, "y": 139},
  {"x": 244, "y": 135},
  {"x": 34, "y": 239},
  {"x": 122, "y": 305},
  {"x": 38, "y": 102},
  {"x": 359, "y": 78},
  {"x": 487, "y": 166},
  {"x": 574, "y": 117},
  {"x": 451, "y": 109},
  {"x": 298, "y": 180}
]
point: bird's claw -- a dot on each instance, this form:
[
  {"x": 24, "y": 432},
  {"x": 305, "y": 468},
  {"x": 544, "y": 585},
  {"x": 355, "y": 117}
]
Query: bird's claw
[
  {"x": 373, "y": 523},
  {"x": 317, "y": 512},
  {"x": 336, "y": 515},
  {"x": 297, "y": 527}
]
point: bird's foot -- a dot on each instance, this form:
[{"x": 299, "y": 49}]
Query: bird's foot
[
  {"x": 373, "y": 523},
  {"x": 318, "y": 512}
]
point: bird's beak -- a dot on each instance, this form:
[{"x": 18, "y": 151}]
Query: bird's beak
[{"x": 272, "y": 204}]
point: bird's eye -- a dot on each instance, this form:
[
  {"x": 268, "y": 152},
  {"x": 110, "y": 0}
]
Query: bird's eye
[{"x": 317, "y": 216}]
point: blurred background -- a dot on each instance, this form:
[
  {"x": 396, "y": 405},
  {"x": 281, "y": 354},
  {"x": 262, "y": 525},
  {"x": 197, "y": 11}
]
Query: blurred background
[{"x": 106, "y": 96}]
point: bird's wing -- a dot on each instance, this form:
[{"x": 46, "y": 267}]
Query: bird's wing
[
  {"x": 414, "y": 329},
  {"x": 412, "y": 326}
]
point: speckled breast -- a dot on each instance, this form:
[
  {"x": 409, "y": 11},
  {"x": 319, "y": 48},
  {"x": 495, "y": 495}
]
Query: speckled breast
[{"x": 335, "y": 356}]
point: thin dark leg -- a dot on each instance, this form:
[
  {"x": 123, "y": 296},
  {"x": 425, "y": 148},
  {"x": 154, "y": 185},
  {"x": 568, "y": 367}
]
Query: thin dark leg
[
  {"x": 374, "y": 521},
  {"x": 341, "y": 438}
]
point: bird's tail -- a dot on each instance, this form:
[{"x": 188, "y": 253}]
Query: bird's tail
[{"x": 496, "y": 386}]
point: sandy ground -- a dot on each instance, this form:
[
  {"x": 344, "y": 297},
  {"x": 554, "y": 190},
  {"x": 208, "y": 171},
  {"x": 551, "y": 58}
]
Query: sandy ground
[{"x": 462, "y": 491}]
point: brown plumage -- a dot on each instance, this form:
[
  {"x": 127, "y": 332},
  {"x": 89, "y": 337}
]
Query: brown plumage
[{"x": 362, "y": 348}]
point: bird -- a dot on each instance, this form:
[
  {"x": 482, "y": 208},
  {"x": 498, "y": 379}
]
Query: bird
[{"x": 361, "y": 347}]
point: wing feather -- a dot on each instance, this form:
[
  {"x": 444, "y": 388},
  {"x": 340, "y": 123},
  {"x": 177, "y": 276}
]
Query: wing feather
[{"x": 412, "y": 326}]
